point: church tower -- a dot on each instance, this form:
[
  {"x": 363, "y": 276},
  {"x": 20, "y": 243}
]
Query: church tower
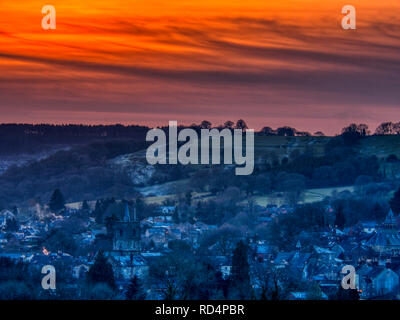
[
  {"x": 126, "y": 257},
  {"x": 390, "y": 224},
  {"x": 127, "y": 234}
]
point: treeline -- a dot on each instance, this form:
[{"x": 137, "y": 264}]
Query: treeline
[
  {"x": 80, "y": 173},
  {"x": 341, "y": 165},
  {"x": 27, "y": 138},
  {"x": 242, "y": 125},
  {"x": 83, "y": 171}
]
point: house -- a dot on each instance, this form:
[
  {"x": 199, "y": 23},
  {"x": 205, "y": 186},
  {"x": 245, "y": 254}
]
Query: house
[
  {"x": 223, "y": 264},
  {"x": 360, "y": 253},
  {"x": 88, "y": 237},
  {"x": 283, "y": 259},
  {"x": 330, "y": 287},
  {"x": 321, "y": 270},
  {"x": 13, "y": 256},
  {"x": 158, "y": 221},
  {"x": 156, "y": 235},
  {"x": 295, "y": 261},
  {"x": 128, "y": 266},
  {"x": 338, "y": 250},
  {"x": 385, "y": 281},
  {"x": 3, "y": 238},
  {"x": 174, "y": 234},
  {"x": 386, "y": 240},
  {"x": 368, "y": 226},
  {"x": 79, "y": 271},
  {"x": 149, "y": 256},
  {"x": 325, "y": 253},
  {"x": 378, "y": 281},
  {"x": 298, "y": 264},
  {"x": 264, "y": 252},
  {"x": 167, "y": 210},
  {"x": 302, "y": 295},
  {"x": 298, "y": 295},
  {"x": 5, "y": 215}
]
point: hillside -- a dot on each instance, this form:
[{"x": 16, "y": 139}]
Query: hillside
[
  {"x": 381, "y": 146},
  {"x": 119, "y": 168}
]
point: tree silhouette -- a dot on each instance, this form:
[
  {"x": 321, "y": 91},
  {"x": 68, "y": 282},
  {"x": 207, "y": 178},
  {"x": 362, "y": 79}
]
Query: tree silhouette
[
  {"x": 229, "y": 124},
  {"x": 205, "y": 124},
  {"x": 57, "y": 202},
  {"x": 340, "y": 219},
  {"x": 12, "y": 225},
  {"x": 240, "y": 271},
  {"x": 352, "y": 133},
  {"x": 268, "y": 131},
  {"x": 135, "y": 290},
  {"x": 286, "y": 131},
  {"x": 395, "y": 202},
  {"x": 387, "y": 128},
  {"x": 241, "y": 124},
  {"x": 101, "y": 272},
  {"x": 348, "y": 294},
  {"x": 85, "y": 206}
]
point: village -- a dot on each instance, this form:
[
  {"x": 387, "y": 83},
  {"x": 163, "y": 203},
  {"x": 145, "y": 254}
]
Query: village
[{"x": 133, "y": 245}]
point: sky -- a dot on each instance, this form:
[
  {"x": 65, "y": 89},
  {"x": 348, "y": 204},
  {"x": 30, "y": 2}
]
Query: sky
[{"x": 269, "y": 62}]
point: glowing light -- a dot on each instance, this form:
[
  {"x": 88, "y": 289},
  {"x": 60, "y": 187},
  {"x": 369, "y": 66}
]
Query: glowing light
[{"x": 45, "y": 251}]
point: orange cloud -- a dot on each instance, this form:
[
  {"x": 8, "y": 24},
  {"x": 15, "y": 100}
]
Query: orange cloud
[{"x": 198, "y": 59}]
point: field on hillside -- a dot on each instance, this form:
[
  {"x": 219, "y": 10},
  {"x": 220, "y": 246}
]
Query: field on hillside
[
  {"x": 381, "y": 146},
  {"x": 277, "y": 198},
  {"x": 283, "y": 146},
  {"x": 269, "y": 147},
  {"x": 310, "y": 195},
  {"x": 157, "y": 194},
  {"x": 264, "y": 145}
]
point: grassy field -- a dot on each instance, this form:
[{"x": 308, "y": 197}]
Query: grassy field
[
  {"x": 164, "y": 189},
  {"x": 157, "y": 194},
  {"x": 283, "y": 146},
  {"x": 268, "y": 147},
  {"x": 279, "y": 145},
  {"x": 196, "y": 196},
  {"x": 311, "y": 195},
  {"x": 381, "y": 146},
  {"x": 264, "y": 145},
  {"x": 168, "y": 191}
]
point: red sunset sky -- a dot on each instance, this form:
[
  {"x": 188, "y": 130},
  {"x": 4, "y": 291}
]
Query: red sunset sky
[{"x": 269, "y": 62}]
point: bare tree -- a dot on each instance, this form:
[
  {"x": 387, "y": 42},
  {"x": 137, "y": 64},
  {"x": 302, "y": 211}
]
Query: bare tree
[
  {"x": 387, "y": 128},
  {"x": 205, "y": 124},
  {"x": 229, "y": 124},
  {"x": 241, "y": 124}
]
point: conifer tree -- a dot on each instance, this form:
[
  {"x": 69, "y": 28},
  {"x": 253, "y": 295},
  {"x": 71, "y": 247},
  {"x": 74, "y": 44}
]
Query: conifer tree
[
  {"x": 395, "y": 202},
  {"x": 101, "y": 272},
  {"x": 57, "y": 202},
  {"x": 135, "y": 290}
]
